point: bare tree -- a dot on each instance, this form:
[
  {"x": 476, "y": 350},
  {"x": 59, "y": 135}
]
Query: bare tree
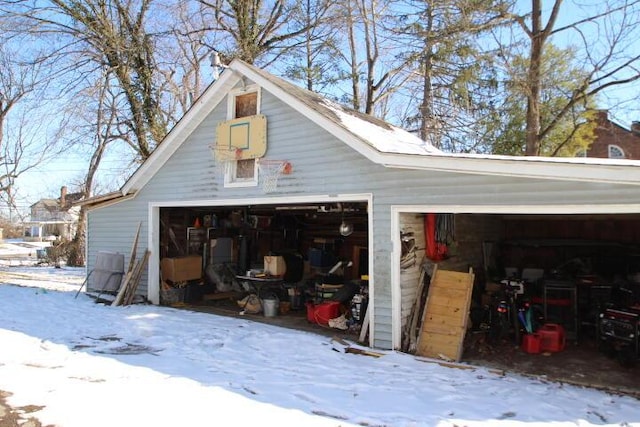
[
  {"x": 108, "y": 35},
  {"x": 183, "y": 56},
  {"x": 101, "y": 128},
  {"x": 604, "y": 35},
  {"x": 24, "y": 141},
  {"x": 148, "y": 62},
  {"x": 15, "y": 83},
  {"x": 352, "y": 58},
  {"x": 370, "y": 13},
  {"x": 372, "y": 67},
  {"x": 258, "y": 30}
]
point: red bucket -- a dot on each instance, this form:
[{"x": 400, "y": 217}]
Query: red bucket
[{"x": 322, "y": 313}]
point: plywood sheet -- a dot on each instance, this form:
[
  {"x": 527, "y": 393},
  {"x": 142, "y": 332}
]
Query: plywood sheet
[{"x": 445, "y": 315}]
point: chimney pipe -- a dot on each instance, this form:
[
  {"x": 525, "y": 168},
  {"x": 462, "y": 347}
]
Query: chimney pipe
[{"x": 63, "y": 196}]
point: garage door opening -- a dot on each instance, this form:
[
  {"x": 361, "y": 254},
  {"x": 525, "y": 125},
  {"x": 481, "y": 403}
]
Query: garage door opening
[
  {"x": 572, "y": 280},
  {"x": 306, "y": 263}
]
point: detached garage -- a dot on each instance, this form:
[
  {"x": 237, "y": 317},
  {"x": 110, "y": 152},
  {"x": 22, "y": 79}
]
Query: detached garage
[{"x": 261, "y": 168}]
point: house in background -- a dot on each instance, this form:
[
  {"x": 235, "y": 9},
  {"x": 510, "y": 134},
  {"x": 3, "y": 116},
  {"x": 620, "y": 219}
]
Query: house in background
[
  {"x": 614, "y": 141},
  {"x": 53, "y": 219}
]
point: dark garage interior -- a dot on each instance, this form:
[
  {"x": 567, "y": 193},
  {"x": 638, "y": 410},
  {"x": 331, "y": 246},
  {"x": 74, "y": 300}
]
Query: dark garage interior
[
  {"x": 573, "y": 279},
  {"x": 570, "y": 280},
  {"x": 298, "y": 255}
]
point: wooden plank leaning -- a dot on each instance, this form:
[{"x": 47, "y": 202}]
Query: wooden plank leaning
[
  {"x": 365, "y": 327},
  {"x": 442, "y": 336},
  {"x": 130, "y": 292},
  {"x": 127, "y": 276},
  {"x": 410, "y": 334}
]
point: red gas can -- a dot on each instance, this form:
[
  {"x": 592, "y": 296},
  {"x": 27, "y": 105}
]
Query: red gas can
[
  {"x": 531, "y": 343},
  {"x": 552, "y": 337}
]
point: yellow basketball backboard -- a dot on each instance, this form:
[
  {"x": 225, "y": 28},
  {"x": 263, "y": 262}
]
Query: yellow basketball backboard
[{"x": 242, "y": 138}]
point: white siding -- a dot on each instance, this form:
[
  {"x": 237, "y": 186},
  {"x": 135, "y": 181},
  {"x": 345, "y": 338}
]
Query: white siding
[{"x": 113, "y": 229}]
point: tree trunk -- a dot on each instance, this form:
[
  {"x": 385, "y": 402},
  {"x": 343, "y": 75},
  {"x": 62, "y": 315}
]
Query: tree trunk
[
  {"x": 76, "y": 253},
  {"x": 533, "y": 97},
  {"x": 355, "y": 78},
  {"x": 426, "y": 110}
]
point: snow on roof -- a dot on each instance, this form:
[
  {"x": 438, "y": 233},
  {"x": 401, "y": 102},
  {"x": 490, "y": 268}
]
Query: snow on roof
[
  {"x": 375, "y": 132},
  {"x": 387, "y": 138}
]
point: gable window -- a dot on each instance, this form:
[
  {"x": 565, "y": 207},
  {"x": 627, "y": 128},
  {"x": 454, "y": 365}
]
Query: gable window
[
  {"x": 246, "y": 105},
  {"x": 244, "y": 169},
  {"x": 615, "y": 152},
  {"x": 242, "y": 103}
]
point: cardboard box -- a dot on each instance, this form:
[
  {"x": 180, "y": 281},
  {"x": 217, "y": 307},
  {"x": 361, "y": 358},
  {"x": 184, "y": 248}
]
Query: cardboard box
[
  {"x": 274, "y": 265},
  {"x": 181, "y": 269}
]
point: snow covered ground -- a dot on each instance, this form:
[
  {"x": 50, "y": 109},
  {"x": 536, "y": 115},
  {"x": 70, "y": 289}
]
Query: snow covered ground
[
  {"x": 89, "y": 364},
  {"x": 18, "y": 252}
]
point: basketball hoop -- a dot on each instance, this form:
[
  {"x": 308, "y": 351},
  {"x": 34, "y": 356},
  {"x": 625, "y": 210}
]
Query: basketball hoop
[
  {"x": 270, "y": 171},
  {"x": 223, "y": 155}
]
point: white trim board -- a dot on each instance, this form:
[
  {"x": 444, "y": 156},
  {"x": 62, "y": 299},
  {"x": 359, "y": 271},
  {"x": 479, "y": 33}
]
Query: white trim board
[{"x": 591, "y": 208}]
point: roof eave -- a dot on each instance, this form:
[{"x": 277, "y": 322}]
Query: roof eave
[
  {"x": 104, "y": 200},
  {"x": 538, "y": 168}
]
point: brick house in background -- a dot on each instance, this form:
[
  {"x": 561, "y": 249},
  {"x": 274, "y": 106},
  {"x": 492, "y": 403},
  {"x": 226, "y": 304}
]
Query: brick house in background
[
  {"x": 614, "y": 141},
  {"x": 53, "y": 219}
]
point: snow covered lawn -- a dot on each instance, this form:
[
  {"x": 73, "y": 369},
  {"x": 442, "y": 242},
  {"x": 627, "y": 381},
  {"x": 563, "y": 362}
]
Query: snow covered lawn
[{"x": 88, "y": 364}]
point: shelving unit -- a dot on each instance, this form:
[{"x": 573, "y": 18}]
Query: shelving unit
[{"x": 560, "y": 303}]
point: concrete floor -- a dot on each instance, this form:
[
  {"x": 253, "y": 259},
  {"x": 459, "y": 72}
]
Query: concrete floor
[
  {"x": 579, "y": 363},
  {"x": 294, "y": 319}
]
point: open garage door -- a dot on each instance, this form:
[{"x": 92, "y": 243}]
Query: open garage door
[
  {"x": 306, "y": 263},
  {"x": 564, "y": 286}
]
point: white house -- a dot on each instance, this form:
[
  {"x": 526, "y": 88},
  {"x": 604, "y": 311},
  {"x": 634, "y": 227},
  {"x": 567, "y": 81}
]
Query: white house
[{"x": 52, "y": 219}]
